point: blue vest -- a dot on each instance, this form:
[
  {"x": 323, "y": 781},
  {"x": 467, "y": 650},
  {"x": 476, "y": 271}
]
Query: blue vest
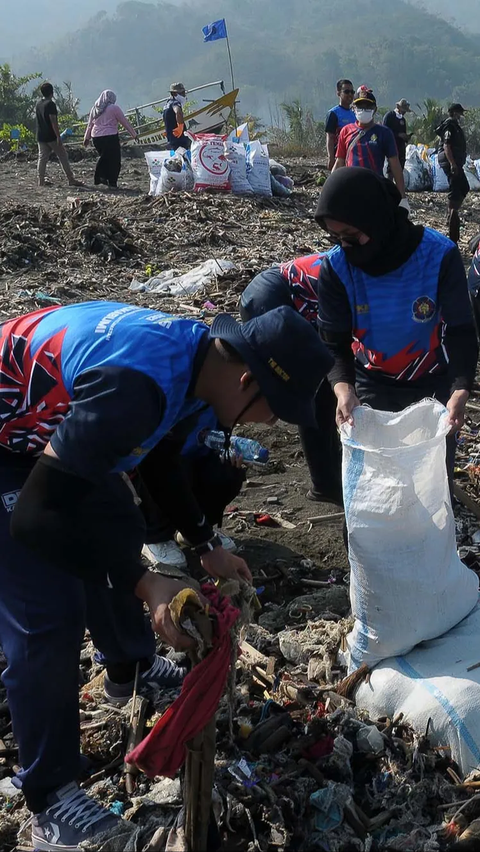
[
  {"x": 102, "y": 334},
  {"x": 344, "y": 116},
  {"x": 397, "y": 322}
]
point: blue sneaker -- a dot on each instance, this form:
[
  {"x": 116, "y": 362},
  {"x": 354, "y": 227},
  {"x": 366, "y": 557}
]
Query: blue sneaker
[
  {"x": 70, "y": 818},
  {"x": 164, "y": 674}
]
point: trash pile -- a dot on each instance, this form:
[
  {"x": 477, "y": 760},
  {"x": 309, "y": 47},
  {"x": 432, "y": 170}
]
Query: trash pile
[
  {"x": 219, "y": 164},
  {"x": 423, "y": 174},
  {"x": 95, "y": 247},
  {"x": 297, "y": 766},
  {"x": 303, "y": 768}
]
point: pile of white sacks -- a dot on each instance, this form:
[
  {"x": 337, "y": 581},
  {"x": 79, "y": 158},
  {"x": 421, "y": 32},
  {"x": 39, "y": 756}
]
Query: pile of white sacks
[{"x": 423, "y": 174}]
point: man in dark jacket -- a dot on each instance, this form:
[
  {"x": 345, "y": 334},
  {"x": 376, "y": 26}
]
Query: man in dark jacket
[
  {"x": 395, "y": 120},
  {"x": 452, "y": 155}
]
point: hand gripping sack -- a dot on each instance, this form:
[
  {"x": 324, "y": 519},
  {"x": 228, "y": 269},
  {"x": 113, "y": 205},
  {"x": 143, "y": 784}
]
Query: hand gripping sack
[
  {"x": 407, "y": 582},
  {"x": 210, "y": 166}
]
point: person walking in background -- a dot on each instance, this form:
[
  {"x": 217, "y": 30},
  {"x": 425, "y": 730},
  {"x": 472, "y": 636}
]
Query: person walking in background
[
  {"x": 452, "y": 156},
  {"x": 338, "y": 117},
  {"x": 396, "y": 122},
  {"x": 368, "y": 144},
  {"x": 102, "y": 129},
  {"x": 174, "y": 119},
  {"x": 48, "y": 137}
]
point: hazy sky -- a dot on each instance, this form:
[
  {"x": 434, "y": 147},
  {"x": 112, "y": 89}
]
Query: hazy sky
[{"x": 34, "y": 23}]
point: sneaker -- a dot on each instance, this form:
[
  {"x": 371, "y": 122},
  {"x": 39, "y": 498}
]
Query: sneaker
[
  {"x": 70, "y": 818},
  {"x": 227, "y": 542},
  {"x": 164, "y": 674},
  {"x": 167, "y": 553}
]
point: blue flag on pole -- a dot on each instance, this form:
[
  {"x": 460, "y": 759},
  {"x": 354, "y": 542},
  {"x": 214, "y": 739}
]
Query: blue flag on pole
[{"x": 214, "y": 31}]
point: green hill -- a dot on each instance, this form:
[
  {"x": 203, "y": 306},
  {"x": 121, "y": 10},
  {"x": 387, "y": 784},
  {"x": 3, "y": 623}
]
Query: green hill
[{"x": 282, "y": 50}]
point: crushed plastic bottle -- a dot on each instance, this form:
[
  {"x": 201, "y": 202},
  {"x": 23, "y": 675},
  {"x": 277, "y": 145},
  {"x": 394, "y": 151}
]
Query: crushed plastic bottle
[{"x": 251, "y": 451}]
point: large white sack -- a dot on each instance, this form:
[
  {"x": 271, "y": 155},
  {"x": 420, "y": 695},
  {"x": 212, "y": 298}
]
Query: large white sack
[
  {"x": 407, "y": 581},
  {"x": 417, "y": 173},
  {"x": 155, "y": 160},
  {"x": 237, "y": 158},
  {"x": 209, "y": 164},
  {"x": 439, "y": 178},
  {"x": 258, "y": 168},
  {"x": 433, "y": 683}
]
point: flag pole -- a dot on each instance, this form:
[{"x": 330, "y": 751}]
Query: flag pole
[{"x": 233, "y": 77}]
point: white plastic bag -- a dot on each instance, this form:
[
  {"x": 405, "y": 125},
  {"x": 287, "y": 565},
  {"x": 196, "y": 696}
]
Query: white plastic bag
[
  {"x": 194, "y": 281},
  {"x": 155, "y": 160},
  {"x": 440, "y": 180},
  {"x": 237, "y": 158},
  {"x": 258, "y": 168},
  {"x": 417, "y": 173},
  {"x": 210, "y": 166},
  {"x": 432, "y": 687},
  {"x": 407, "y": 582}
]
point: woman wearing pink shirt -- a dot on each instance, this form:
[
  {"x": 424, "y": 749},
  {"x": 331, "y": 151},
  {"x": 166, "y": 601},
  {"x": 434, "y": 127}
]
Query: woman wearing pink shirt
[{"x": 102, "y": 128}]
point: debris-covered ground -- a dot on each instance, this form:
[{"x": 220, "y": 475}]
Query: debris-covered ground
[{"x": 302, "y": 771}]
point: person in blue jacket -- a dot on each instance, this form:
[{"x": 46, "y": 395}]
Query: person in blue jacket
[
  {"x": 393, "y": 304},
  {"x": 88, "y": 393}
]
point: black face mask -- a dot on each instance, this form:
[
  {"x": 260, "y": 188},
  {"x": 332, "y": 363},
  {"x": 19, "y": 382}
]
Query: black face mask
[{"x": 358, "y": 255}]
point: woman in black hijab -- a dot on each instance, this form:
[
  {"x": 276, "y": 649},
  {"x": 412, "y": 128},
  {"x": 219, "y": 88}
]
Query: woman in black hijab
[{"x": 393, "y": 304}]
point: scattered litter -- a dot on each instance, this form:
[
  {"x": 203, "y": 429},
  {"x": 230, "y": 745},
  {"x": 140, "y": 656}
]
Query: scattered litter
[{"x": 187, "y": 284}]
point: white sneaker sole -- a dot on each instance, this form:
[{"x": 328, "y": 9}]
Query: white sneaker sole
[{"x": 44, "y": 846}]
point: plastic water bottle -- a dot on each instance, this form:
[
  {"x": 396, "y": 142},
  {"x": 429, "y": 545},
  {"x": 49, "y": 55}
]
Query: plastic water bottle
[{"x": 251, "y": 451}]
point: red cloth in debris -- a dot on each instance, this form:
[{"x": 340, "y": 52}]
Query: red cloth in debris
[{"x": 163, "y": 752}]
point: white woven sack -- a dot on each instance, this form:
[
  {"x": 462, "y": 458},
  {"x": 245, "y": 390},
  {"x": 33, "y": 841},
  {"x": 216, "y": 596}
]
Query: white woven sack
[{"x": 407, "y": 581}]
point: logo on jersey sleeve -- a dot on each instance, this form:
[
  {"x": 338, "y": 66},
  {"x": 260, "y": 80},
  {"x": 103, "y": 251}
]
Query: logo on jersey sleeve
[{"x": 423, "y": 309}]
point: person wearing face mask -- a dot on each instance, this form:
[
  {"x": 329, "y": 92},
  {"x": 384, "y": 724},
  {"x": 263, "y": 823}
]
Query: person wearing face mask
[
  {"x": 338, "y": 117},
  {"x": 173, "y": 118},
  {"x": 393, "y": 304},
  {"x": 368, "y": 144},
  {"x": 452, "y": 155}
]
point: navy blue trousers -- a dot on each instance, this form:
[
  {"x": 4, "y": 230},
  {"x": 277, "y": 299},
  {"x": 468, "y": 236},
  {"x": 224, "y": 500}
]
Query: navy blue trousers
[{"x": 43, "y": 616}]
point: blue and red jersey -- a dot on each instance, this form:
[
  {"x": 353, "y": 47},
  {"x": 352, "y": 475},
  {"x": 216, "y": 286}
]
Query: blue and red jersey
[
  {"x": 103, "y": 381},
  {"x": 397, "y": 320},
  {"x": 302, "y": 276},
  {"x": 366, "y": 149}
]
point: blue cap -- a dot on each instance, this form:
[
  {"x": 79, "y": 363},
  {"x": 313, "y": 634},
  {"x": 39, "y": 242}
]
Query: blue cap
[{"x": 286, "y": 357}]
